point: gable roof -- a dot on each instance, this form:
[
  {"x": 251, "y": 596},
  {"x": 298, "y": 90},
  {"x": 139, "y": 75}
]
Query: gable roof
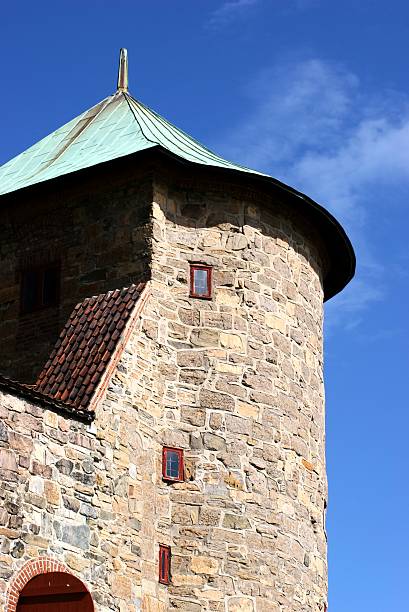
[
  {"x": 115, "y": 127},
  {"x": 85, "y": 347}
]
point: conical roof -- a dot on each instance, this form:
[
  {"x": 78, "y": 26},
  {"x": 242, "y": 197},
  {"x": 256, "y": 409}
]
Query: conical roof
[{"x": 119, "y": 126}]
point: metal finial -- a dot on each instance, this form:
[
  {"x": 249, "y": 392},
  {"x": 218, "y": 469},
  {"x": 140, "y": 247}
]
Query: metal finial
[{"x": 123, "y": 70}]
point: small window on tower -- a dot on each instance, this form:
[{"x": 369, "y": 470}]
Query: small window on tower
[
  {"x": 172, "y": 464},
  {"x": 164, "y": 564},
  {"x": 40, "y": 288},
  {"x": 201, "y": 281}
]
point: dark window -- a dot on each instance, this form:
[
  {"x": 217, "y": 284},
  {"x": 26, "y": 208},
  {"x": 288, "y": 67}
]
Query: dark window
[
  {"x": 172, "y": 464},
  {"x": 164, "y": 564},
  {"x": 201, "y": 281},
  {"x": 40, "y": 288}
]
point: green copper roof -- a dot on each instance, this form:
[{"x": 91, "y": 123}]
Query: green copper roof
[{"x": 117, "y": 126}]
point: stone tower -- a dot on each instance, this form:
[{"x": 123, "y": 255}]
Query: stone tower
[{"x": 230, "y": 375}]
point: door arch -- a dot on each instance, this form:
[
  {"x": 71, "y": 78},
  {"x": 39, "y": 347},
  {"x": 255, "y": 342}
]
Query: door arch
[{"x": 54, "y": 592}]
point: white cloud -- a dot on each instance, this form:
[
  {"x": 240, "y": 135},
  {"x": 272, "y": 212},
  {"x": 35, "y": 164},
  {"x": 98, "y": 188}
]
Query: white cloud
[
  {"x": 228, "y": 11},
  {"x": 313, "y": 126}
]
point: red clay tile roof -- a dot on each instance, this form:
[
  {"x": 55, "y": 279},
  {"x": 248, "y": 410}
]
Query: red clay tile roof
[
  {"x": 28, "y": 393},
  {"x": 85, "y": 346}
]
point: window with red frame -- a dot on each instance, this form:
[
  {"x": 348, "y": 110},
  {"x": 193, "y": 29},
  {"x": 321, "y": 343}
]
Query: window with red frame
[
  {"x": 172, "y": 464},
  {"x": 200, "y": 281},
  {"x": 164, "y": 564},
  {"x": 40, "y": 288}
]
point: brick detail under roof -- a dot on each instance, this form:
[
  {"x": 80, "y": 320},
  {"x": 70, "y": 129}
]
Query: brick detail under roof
[{"x": 86, "y": 345}]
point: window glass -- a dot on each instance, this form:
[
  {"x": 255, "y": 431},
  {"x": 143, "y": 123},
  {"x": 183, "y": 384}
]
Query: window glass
[
  {"x": 164, "y": 564},
  {"x": 172, "y": 464},
  {"x": 200, "y": 281}
]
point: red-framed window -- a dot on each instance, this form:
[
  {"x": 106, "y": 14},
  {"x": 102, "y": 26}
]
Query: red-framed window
[
  {"x": 164, "y": 564},
  {"x": 40, "y": 288},
  {"x": 172, "y": 464},
  {"x": 200, "y": 281}
]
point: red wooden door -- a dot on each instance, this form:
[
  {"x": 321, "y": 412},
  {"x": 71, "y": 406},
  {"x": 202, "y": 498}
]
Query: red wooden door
[{"x": 55, "y": 592}]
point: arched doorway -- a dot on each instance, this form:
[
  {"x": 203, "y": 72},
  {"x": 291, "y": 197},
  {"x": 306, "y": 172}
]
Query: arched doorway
[{"x": 54, "y": 592}]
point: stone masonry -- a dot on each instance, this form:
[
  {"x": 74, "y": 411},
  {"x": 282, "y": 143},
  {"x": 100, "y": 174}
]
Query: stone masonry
[
  {"x": 240, "y": 387},
  {"x": 235, "y": 381}
]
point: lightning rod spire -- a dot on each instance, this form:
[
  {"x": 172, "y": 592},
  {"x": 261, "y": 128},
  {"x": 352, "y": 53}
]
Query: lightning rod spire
[{"x": 123, "y": 71}]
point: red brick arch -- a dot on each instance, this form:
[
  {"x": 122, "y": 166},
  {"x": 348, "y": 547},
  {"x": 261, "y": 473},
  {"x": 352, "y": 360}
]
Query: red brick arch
[{"x": 34, "y": 567}]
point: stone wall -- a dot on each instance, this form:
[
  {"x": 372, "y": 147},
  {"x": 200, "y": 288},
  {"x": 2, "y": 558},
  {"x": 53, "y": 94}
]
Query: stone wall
[
  {"x": 94, "y": 230},
  {"x": 74, "y": 492},
  {"x": 238, "y": 384}
]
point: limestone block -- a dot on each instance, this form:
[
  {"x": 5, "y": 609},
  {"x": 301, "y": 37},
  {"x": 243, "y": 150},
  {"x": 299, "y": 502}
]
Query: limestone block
[
  {"x": 75, "y": 562},
  {"x": 275, "y": 322},
  {"x": 224, "y": 278},
  {"x": 51, "y": 419},
  {"x": 194, "y": 416},
  {"x": 236, "y": 424},
  {"x": 204, "y": 337},
  {"x": 210, "y": 594},
  {"x": 247, "y": 410},
  {"x": 192, "y": 376},
  {"x": 235, "y": 521},
  {"x": 189, "y": 316},
  {"x": 213, "y": 442},
  {"x": 212, "y": 240},
  {"x": 185, "y": 514},
  {"x": 183, "y": 605},
  {"x": 150, "y": 328},
  {"x": 215, "y": 420},
  {"x": 215, "y": 400},
  {"x": 121, "y": 586},
  {"x": 175, "y": 438},
  {"x": 191, "y": 359},
  {"x": 240, "y": 604},
  {"x": 232, "y": 341},
  {"x": 8, "y": 460},
  {"x": 209, "y": 516},
  {"x": 228, "y": 368},
  {"x": 52, "y": 492},
  {"x": 73, "y": 534},
  {"x": 204, "y": 565},
  {"x": 21, "y": 443},
  {"x": 237, "y": 242},
  {"x": 228, "y": 297},
  {"x": 187, "y": 579}
]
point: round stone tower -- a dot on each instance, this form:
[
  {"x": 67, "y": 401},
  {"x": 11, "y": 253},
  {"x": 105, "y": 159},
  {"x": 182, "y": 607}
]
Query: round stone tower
[{"x": 241, "y": 378}]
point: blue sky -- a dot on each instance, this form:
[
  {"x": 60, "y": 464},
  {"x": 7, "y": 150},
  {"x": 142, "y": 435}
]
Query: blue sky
[{"x": 314, "y": 92}]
